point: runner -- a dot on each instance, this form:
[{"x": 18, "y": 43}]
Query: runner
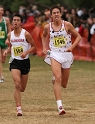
[
  {"x": 4, "y": 29},
  {"x": 21, "y": 44},
  {"x": 59, "y": 55}
]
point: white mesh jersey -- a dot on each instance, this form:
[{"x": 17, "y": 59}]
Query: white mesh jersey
[
  {"x": 19, "y": 45},
  {"x": 59, "y": 40}
]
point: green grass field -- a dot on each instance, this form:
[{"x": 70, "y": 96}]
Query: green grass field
[{"x": 38, "y": 101}]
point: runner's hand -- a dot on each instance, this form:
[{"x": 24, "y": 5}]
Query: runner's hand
[
  {"x": 23, "y": 54},
  {"x": 45, "y": 51},
  {"x": 69, "y": 49},
  {"x": 5, "y": 53}
]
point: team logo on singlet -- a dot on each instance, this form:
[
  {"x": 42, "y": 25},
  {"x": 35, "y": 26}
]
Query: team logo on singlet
[
  {"x": 17, "y": 50},
  {"x": 2, "y": 34},
  {"x": 59, "y": 41}
]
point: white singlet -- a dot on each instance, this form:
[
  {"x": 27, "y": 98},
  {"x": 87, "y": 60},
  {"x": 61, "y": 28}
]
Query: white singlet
[
  {"x": 19, "y": 45},
  {"x": 59, "y": 42}
]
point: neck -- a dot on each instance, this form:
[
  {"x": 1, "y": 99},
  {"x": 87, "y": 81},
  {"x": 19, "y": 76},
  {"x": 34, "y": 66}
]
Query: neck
[
  {"x": 57, "y": 23},
  {"x": 17, "y": 30}
]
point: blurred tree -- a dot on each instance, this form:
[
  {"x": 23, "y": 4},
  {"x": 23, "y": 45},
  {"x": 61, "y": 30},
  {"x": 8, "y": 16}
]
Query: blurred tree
[
  {"x": 80, "y": 3},
  {"x": 14, "y": 4},
  {"x": 6, "y": 3}
]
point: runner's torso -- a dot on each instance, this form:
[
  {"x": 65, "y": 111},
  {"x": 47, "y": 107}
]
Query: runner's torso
[
  {"x": 19, "y": 45},
  {"x": 3, "y": 32},
  {"x": 59, "y": 40}
]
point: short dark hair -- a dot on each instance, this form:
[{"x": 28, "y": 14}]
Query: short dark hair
[
  {"x": 18, "y": 15},
  {"x": 54, "y": 7}
]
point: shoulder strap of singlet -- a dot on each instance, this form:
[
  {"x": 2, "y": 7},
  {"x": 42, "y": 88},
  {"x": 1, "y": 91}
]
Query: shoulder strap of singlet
[
  {"x": 63, "y": 23},
  {"x": 5, "y": 24},
  {"x": 23, "y": 30},
  {"x": 50, "y": 25}
]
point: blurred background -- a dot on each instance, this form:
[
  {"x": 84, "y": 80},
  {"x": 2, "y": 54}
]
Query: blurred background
[{"x": 36, "y": 14}]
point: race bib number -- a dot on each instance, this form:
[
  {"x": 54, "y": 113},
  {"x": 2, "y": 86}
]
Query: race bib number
[
  {"x": 17, "y": 50},
  {"x": 2, "y": 34},
  {"x": 59, "y": 41}
]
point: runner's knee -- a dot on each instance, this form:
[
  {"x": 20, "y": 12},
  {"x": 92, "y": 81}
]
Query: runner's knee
[
  {"x": 17, "y": 86},
  {"x": 58, "y": 79}
]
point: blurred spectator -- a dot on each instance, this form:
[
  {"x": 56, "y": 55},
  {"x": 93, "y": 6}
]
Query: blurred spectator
[
  {"x": 47, "y": 16},
  {"x": 30, "y": 16},
  {"x": 68, "y": 16},
  {"x": 92, "y": 30},
  {"x": 21, "y": 8},
  {"x": 85, "y": 13},
  {"x": 24, "y": 16},
  {"x": 63, "y": 11},
  {"x": 36, "y": 12},
  {"x": 73, "y": 12},
  {"x": 75, "y": 21},
  {"x": 8, "y": 14},
  {"x": 83, "y": 21},
  {"x": 91, "y": 11},
  {"x": 80, "y": 12},
  {"x": 89, "y": 25}
]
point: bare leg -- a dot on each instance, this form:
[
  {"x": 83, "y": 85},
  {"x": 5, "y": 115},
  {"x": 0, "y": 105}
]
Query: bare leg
[
  {"x": 65, "y": 75},
  {"x": 24, "y": 79},
  {"x": 20, "y": 85},
  {"x": 16, "y": 74},
  {"x": 3, "y": 57},
  {"x": 2, "y": 60},
  {"x": 0, "y": 63},
  {"x": 56, "y": 69}
]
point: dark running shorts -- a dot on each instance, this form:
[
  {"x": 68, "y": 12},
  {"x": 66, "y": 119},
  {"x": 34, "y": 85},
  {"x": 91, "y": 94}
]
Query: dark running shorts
[{"x": 22, "y": 65}]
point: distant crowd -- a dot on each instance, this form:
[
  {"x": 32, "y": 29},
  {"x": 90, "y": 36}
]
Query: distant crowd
[{"x": 80, "y": 18}]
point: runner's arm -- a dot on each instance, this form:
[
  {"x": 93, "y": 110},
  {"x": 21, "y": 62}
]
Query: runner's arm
[
  {"x": 73, "y": 31},
  {"x": 45, "y": 36}
]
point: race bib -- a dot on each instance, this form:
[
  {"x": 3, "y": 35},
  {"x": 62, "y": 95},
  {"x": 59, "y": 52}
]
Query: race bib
[
  {"x": 17, "y": 50},
  {"x": 59, "y": 41},
  {"x": 2, "y": 34}
]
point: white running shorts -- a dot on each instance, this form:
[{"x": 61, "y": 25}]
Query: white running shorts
[{"x": 65, "y": 58}]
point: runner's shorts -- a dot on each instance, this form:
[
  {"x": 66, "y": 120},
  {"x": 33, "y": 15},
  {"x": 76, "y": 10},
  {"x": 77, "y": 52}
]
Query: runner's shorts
[
  {"x": 22, "y": 65},
  {"x": 65, "y": 58}
]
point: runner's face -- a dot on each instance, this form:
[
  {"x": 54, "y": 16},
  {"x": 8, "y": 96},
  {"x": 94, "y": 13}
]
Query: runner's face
[
  {"x": 1, "y": 11},
  {"x": 16, "y": 22},
  {"x": 56, "y": 15}
]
